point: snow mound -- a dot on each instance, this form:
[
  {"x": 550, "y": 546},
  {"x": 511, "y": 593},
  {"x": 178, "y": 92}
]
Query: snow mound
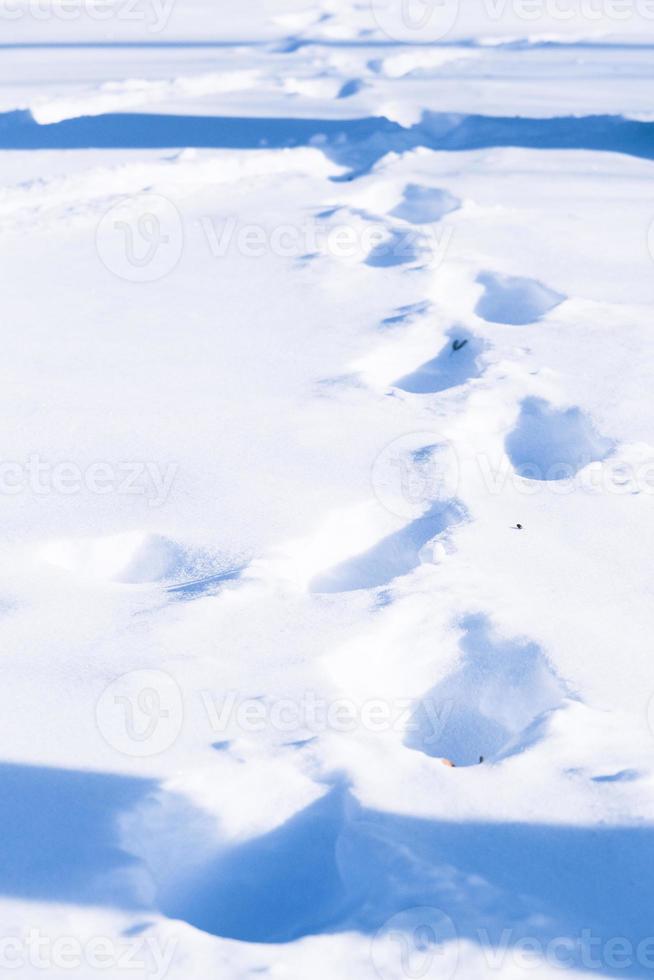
[
  {"x": 514, "y": 300},
  {"x": 132, "y": 558},
  {"x": 487, "y": 704},
  {"x": 554, "y": 444}
]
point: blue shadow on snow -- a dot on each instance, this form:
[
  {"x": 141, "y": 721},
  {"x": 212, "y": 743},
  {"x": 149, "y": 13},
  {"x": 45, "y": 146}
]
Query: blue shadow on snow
[
  {"x": 58, "y": 833},
  {"x": 337, "y": 867},
  {"x": 354, "y": 143}
]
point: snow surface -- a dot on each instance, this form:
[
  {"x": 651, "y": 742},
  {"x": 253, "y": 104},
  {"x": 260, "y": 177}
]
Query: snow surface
[{"x": 308, "y": 305}]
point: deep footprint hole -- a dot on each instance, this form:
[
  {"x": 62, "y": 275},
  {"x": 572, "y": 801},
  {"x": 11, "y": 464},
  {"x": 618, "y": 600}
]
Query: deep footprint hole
[
  {"x": 514, "y": 300},
  {"x": 554, "y": 444},
  {"x": 455, "y": 364},
  {"x": 490, "y": 705}
]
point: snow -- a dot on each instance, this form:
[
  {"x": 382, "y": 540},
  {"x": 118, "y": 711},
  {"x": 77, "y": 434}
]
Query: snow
[{"x": 308, "y": 305}]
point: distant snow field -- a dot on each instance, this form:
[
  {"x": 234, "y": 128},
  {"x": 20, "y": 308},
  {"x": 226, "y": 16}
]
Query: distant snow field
[{"x": 327, "y": 475}]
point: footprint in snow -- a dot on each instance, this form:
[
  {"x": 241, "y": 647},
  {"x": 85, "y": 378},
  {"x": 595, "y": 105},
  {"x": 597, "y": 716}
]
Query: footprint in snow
[
  {"x": 350, "y": 88},
  {"x": 491, "y": 704},
  {"x": 548, "y": 443},
  {"x": 423, "y": 205},
  {"x": 399, "y": 248},
  {"x": 455, "y": 364},
  {"x": 393, "y": 556},
  {"x": 514, "y": 300}
]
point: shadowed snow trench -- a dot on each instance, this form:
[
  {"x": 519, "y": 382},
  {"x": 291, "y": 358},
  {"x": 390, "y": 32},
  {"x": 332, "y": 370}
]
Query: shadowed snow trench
[
  {"x": 354, "y": 143},
  {"x": 336, "y": 867},
  {"x": 332, "y": 867}
]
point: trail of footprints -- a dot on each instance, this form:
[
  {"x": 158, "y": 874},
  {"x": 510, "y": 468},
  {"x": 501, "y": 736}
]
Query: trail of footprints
[
  {"x": 546, "y": 443},
  {"x": 495, "y": 702}
]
